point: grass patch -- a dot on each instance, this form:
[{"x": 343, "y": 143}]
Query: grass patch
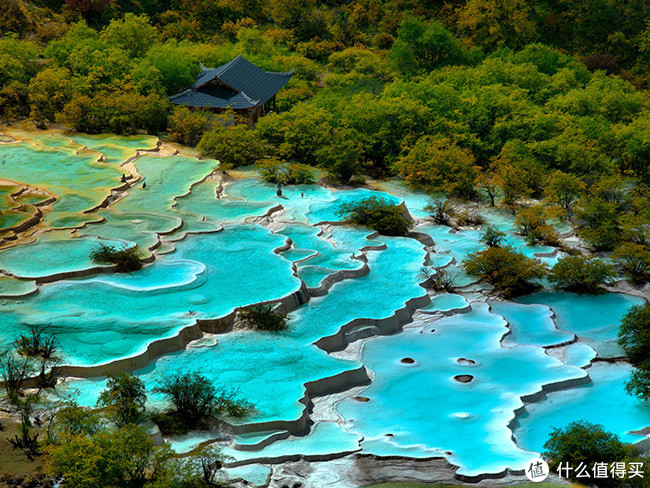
[{"x": 126, "y": 258}]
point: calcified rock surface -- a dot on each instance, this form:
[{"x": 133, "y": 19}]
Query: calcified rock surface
[{"x": 375, "y": 379}]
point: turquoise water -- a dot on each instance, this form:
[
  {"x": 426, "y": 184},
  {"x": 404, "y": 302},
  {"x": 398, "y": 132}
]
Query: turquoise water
[
  {"x": 602, "y": 402},
  {"x": 51, "y": 255},
  {"x": 594, "y": 318},
  {"x": 531, "y": 324},
  {"x": 479, "y": 410},
  {"x": 78, "y": 180},
  {"x": 210, "y": 259},
  {"x": 154, "y": 302}
]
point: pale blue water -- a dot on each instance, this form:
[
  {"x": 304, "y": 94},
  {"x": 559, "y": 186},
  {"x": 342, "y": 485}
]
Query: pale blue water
[
  {"x": 403, "y": 396},
  {"x": 531, "y": 324},
  {"x": 446, "y": 302}
]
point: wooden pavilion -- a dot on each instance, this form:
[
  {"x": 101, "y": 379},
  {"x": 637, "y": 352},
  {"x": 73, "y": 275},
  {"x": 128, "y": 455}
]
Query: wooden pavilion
[{"x": 239, "y": 86}]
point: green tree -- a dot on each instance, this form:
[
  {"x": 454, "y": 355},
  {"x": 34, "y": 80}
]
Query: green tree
[
  {"x": 634, "y": 338},
  {"x": 497, "y": 23},
  {"x": 581, "y": 274},
  {"x": 531, "y": 222},
  {"x": 49, "y": 91},
  {"x": 584, "y": 442},
  {"x": 493, "y": 237},
  {"x": 133, "y": 33},
  {"x": 564, "y": 189},
  {"x": 423, "y": 46},
  {"x": 436, "y": 163},
  {"x": 176, "y": 64},
  {"x": 124, "y": 458},
  {"x": 636, "y": 261},
  {"x": 510, "y": 272},
  {"x": 71, "y": 420},
  {"x": 194, "y": 396},
  {"x": 340, "y": 156},
  {"x": 188, "y": 126},
  {"x": 233, "y": 146},
  {"x": 125, "y": 397}
]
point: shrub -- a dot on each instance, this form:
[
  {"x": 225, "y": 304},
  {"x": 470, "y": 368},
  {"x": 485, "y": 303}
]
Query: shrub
[
  {"x": 378, "y": 214},
  {"x": 263, "y": 317},
  {"x": 125, "y": 397},
  {"x": 441, "y": 211},
  {"x": 193, "y": 395},
  {"x": 126, "y": 258},
  {"x": 437, "y": 280},
  {"x": 636, "y": 261},
  {"x": 279, "y": 171},
  {"x": 493, "y": 237},
  {"x": 531, "y": 223},
  {"x": 634, "y": 339},
  {"x": 583, "y": 442},
  {"x": 36, "y": 344},
  {"x": 508, "y": 271},
  {"x": 581, "y": 274},
  {"x": 466, "y": 218}
]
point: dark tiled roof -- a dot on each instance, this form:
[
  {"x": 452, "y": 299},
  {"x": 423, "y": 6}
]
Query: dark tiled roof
[
  {"x": 252, "y": 86},
  {"x": 213, "y": 97}
]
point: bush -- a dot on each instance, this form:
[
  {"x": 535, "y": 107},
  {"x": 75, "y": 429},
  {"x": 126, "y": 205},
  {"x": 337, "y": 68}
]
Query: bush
[
  {"x": 465, "y": 218},
  {"x": 437, "y": 280},
  {"x": 193, "y": 395},
  {"x": 531, "y": 223},
  {"x": 279, "y": 171},
  {"x": 263, "y": 317},
  {"x": 126, "y": 258},
  {"x": 583, "y": 442},
  {"x": 441, "y": 211},
  {"x": 634, "y": 338},
  {"x": 636, "y": 261},
  {"x": 36, "y": 344},
  {"x": 378, "y": 214},
  {"x": 581, "y": 274},
  {"x": 493, "y": 237},
  {"x": 508, "y": 271},
  {"x": 125, "y": 397}
]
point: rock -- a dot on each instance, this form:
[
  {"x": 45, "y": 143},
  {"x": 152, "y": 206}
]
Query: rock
[{"x": 464, "y": 378}]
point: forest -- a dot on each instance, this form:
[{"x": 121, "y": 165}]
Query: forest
[{"x": 503, "y": 102}]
